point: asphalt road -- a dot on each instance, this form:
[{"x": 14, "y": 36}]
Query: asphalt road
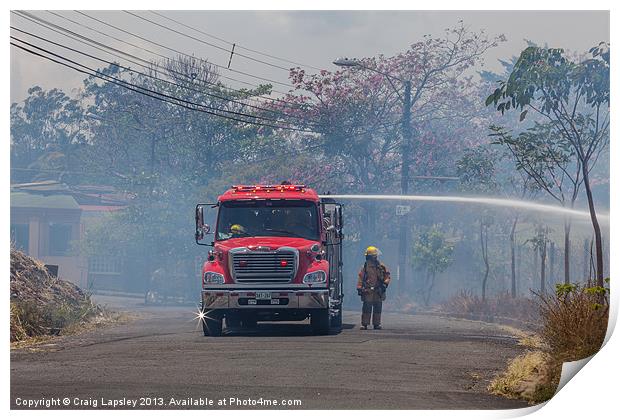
[{"x": 415, "y": 362}]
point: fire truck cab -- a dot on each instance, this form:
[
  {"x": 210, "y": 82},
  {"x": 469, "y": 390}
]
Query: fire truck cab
[{"x": 276, "y": 256}]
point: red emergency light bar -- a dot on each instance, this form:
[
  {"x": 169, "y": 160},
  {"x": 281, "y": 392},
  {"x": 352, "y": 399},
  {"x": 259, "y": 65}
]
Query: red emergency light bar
[{"x": 268, "y": 188}]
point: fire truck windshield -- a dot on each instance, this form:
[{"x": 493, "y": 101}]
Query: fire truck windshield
[{"x": 286, "y": 218}]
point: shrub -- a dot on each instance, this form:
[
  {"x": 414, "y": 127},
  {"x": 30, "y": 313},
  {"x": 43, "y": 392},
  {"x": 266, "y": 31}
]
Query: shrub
[
  {"x": 574, "y": 321},
  {"x": 574, "y": 324}
]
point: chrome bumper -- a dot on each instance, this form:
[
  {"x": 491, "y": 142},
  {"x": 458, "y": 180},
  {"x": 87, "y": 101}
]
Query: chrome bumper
[{"x": 287, "y": 299}]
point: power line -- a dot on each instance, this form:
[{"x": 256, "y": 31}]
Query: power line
[
  {"x": 202, "y": 105},
  {"x": 124, "y": 41},
  {"x": 177, "y": 51},
  {"x": 168, "y": 48},
  {"x": 203, "y": 41},
  {"x": 89, "y": 41},
  {"x": 142, "y": 90},
  {"x": 159, "y": 79},
  {"x": 62, "y": 171},
  {"x": 126, "y": 68},
  {"x": 285, "y": 60},
  {"x": 147, "y": 92}
]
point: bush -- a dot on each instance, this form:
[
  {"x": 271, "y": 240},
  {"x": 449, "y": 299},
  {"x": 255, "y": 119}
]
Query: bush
[
  {"x": 574, "y": 324},
  {"x": 574, "y": 321}
]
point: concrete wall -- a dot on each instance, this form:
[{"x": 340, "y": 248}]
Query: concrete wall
[{"x": 70, "y": 267}]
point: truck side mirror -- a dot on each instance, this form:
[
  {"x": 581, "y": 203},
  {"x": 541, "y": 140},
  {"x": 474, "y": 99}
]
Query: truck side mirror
[
  {"x": 200, "y": 233},
  {"x": 339, "y": 220},
  {"x": 202, "y": 228}
]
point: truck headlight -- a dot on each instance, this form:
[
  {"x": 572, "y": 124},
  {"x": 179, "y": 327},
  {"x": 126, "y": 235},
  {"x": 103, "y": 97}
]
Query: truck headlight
[
  {"x": 213, "y": 278},
  {"x": 315, "y": 277}
]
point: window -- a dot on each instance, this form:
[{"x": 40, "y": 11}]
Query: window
[
  {"x": 289, "y": 218},
  {"x": 19, "y": 236},
  {"x": 60, "y": 239}
]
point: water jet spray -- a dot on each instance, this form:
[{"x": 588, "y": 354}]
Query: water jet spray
[{"x": 496, "y": 202}]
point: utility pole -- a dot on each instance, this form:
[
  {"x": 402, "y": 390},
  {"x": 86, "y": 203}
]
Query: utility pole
[{"x": 403, "y": 238}]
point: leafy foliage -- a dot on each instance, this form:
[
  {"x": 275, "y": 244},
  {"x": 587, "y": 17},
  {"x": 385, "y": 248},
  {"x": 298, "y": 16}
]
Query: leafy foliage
[
  {"x": 432, "y": 252},
  {"x": 573, "y": 96}
]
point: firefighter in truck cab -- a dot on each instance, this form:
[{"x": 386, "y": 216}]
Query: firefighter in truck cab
[{"x": 373, "y": 280}]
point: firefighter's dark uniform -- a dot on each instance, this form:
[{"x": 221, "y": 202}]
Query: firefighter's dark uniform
[{"x": 373, "y": 278}]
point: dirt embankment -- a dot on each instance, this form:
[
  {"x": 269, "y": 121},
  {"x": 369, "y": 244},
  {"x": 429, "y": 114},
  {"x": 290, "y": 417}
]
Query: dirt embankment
[{"x": 44, "y": 305}]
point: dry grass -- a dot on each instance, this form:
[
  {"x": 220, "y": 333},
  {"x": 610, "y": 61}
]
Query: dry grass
[
  {"x": 467, "y": 304},
  {"x": 43, "y": 343},
  {"x": 532, "y": 376},
  {"x": 44, "y": 305},
  {"x": 574, "y": 324},
  {"x": 532, "y": 341}
]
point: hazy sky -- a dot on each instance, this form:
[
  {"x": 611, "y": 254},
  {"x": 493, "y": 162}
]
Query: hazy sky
[{"x": 313, "y": 37}]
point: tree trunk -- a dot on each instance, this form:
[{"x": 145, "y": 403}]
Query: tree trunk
[
  {"x": 543, "y": 258},
  {"x": 372, "y": 223},
  {"x": 590, "y": 261},
  {"x": 430, "y": 276},
  {"x": 598, "y": 240},
  {"x": 519, "y": 269},
  {"x": 567, "y": 226},
  {"x": 552, "y": 263},
  {"x": 586, "y": 261},
  {"x": 534, "y": 267},
  {"x": 513, "y": 273},
  {"x": 484, "y": 244}
]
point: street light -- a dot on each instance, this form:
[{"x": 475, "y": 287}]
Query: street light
[{"x": 405, "y": 152}]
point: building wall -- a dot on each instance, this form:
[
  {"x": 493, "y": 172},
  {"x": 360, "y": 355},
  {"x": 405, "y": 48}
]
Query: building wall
[{"x": 71, "y": 267}]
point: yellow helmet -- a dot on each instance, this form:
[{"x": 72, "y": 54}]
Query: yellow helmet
[
  {"x": 237, "y": 229},
  {"x": 372, "y": 250}
]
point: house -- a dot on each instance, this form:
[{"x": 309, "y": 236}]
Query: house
[{"x": 48, "y": 219}]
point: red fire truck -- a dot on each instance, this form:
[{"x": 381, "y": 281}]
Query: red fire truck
[{"x": 276, "y": 256}]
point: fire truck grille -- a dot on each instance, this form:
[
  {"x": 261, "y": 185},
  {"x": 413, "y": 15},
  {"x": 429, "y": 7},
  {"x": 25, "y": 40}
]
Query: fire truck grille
[{"x": 264, "y": 267}]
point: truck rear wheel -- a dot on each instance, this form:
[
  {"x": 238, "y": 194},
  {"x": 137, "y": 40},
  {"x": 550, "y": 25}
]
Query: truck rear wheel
[
  {"x": 212, "y": 325},
  {"x": 319, "y": 321},
  {"x": 336, "y": 321}
]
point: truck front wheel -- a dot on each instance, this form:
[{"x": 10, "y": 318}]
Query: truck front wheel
[
  {"x": 233, "y": 321},
  {"x": 319, "y": 321},
  {"x": 249, "y": 322},
  {"x": 212, "y": 324}
]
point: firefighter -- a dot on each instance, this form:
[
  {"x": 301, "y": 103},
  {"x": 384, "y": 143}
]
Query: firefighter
[
  {"x": 236, "y": 231},
  {"x": 373, "y": 279}
]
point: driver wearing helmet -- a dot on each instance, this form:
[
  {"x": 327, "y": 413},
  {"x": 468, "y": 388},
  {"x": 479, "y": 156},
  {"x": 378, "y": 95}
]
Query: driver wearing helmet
[{"x": 237, "y": 231}]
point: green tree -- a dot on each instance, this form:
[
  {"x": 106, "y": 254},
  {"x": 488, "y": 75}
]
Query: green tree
[
  {"x": 432, "y": 253},
  {"x": 48, "y": 130},
  {"x": 477, "y": 173},
  {"x": 549, "y": 161},
  {"x": 539, "y": 242},
  {"x": 573, "y": 97}
]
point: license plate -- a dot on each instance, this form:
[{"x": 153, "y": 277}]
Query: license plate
[
  {"x": 263, "y": 295},
  {"x": 275, "y": 301},
  {"x": 251, "y": 301}
]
